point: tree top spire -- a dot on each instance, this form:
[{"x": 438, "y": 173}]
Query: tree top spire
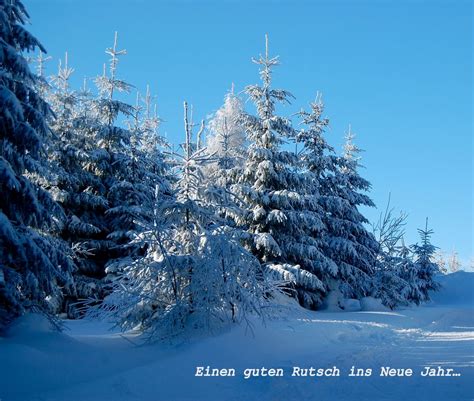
[
  {"x": 266, "y": 46},
  {"x": 40, "y": 61}
]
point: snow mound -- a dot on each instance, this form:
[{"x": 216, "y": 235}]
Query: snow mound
[
  {"x": 30, "y": 324},
  {"x": 456, "y": 289},
  {"x": 371, "y": 304},
  {"x": 351, "y": 305}
]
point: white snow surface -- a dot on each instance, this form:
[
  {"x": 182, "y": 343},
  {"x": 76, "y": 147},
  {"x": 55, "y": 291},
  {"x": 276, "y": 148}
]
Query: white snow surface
[{"x": 89, "y": 362}]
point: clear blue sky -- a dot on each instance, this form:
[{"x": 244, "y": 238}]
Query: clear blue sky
[{"x": 400, "y": 72}]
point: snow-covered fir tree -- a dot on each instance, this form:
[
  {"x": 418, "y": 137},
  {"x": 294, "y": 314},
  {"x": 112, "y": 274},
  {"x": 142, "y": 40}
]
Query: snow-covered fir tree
[
  {"x": 143, "y": 168},
  {"x": 347, "y": 241},
  {"x": 103, "y": 174},
  {"x": 193, "y": 270},
  {"x": 113, "y": 142},
  {"x": 422, "y": 277},
  {"x": 128, "y": 164},
  {"x": 270, "y": 188},
  {"x": 34, "y": 265},
  {"x": 42, "y": 85},
  {"x": 317, "y": 162},
  {"x": 226, "y": 139},
  {"x": 76, "y": 185},
  {"x": 146, "y": 136},
  {"x": 226, "y": 147}
]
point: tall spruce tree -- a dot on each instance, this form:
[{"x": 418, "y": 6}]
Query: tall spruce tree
[
  {"x": 270, "y": 187},
  {"x": 347, "y": 241},
  {"x": 113, "y": 143},
  {"x": 33, "y": 265},
  {"x": 124, "y": 159},
  {"x": 318, "y": 164},
  {"x": 145, "y": 170},
  {"x": 75, "y": 185}
]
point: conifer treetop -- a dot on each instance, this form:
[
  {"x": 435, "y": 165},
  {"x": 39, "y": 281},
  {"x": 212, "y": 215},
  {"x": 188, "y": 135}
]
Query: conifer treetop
[
  {"x": 40, "y": 61},
  {"x": 63, "y": 75},
  {"x": 263, "y": 96},
  {"x": 351, "y": 151}
]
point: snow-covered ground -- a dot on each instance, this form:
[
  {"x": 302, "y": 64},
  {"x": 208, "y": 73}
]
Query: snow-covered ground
[{"x": 88, "y": 362}]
